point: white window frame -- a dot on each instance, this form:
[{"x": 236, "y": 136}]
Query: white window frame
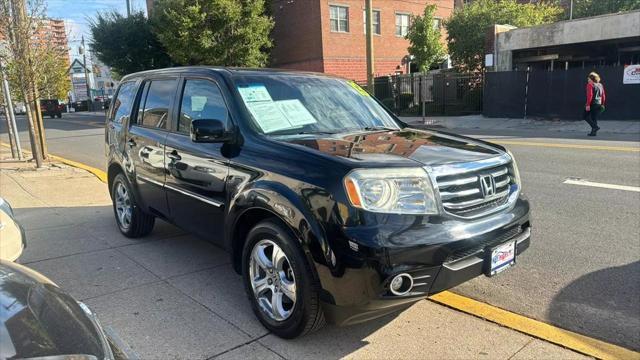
[
  {"x": 338, "y": 20},
  {"x": 364, "y": 21},
  {"x": 408, "y": 15},
  {"x": 437, "y": 20}
]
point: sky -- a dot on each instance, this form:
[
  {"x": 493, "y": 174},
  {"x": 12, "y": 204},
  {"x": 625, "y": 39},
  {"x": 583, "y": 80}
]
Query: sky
[{"x": 77, "y": 12}]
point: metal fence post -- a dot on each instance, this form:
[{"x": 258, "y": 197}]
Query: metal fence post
[{"x": 526, "y": 92}]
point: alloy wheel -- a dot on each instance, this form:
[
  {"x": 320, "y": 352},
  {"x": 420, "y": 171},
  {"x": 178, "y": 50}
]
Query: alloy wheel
[
  {"x": 272, "y": 280},
  {"x": 123, "y": 205}
]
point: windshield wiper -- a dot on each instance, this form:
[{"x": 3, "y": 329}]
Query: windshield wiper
[
  {"x": 305, "y": 133},
  {"x": 378, "y": 128}
]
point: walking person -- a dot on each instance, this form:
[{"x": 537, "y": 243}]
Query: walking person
[{"x": 595, "y": 102}]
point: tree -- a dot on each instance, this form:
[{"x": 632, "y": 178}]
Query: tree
[
  {"x": 52, "y": 79},
  {"x": 126, "y": 44},
  {"x": 467, "y": 27},
  {"x": 584, "y": 8},
  {"x": 424, "y": 38},
  {"x": 214, "y": 32},
  {"x": 21, "y": 27}
]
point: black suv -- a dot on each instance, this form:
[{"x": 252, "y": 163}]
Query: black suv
[{"x": 329, "y": 205}]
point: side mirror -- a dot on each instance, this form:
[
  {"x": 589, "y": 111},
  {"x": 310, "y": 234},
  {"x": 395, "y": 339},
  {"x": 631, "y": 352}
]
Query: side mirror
[{"x": 208, "y": 131}]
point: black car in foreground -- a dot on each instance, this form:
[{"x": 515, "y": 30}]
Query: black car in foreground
[
  {"x": 39, "y": 320},
  {"x": 329, "y": 205}
]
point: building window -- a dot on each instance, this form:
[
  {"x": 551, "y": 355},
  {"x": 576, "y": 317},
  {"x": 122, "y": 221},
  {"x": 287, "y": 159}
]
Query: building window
[
  {"x": 402, "y": 24},
  {"x": 376, "y": 21},
  {"x": 437, "y": 23},
  {"x": 339, "y": 17}
]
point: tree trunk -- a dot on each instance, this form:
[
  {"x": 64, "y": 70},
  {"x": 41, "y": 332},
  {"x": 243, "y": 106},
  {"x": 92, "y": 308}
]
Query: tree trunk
[{"x": 35, "y": 148}]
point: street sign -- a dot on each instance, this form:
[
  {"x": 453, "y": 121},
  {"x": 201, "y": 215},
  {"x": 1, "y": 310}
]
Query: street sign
[{"x": 631, "y": 74}]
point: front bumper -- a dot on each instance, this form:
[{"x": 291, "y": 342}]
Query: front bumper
[{"x": 362, "y": 293}]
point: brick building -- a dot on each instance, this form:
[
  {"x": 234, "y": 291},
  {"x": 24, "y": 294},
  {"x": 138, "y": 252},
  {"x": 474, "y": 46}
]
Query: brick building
[
  {"x": 329, "y": 35},
  {"x": 50, "y": 32}
]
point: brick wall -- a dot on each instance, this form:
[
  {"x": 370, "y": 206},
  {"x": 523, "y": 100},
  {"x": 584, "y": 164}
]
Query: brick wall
[
  {"x": 304, "y": 39},
  {"x": 296, "y": 35}
]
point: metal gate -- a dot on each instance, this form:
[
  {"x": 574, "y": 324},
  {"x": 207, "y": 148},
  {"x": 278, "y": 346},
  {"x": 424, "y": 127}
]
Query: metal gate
[{"x": 441, "y": 93}]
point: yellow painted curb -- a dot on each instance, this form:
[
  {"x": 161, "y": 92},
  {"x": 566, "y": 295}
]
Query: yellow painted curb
[
  {"x": 566, "y": 146},
  {"x": 101, "y": 175},
  {"x": 569, "y": 339},
  {"x": 97, "y": 172}
]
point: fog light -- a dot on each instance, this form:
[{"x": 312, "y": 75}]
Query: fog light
[{"x": 401, "y": 284}]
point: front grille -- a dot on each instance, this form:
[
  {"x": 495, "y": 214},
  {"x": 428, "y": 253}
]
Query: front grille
[
  {"x": 479, "y": 246},
  {"x": 463, "y": 195}
]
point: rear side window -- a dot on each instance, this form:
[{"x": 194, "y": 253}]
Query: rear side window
[
  {"x": 155, "y": 103},
  {"x": 201, "y": 99},
  {"x": 123, "y": 102}
]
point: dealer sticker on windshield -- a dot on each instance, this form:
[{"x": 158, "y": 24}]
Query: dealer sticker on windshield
[{"x": 502, "y": 257}]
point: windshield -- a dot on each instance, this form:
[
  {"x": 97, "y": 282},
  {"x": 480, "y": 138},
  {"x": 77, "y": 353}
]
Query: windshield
[{"x": 307, "y": 104}]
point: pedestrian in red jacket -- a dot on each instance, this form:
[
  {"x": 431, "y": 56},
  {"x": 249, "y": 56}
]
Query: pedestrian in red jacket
[{"x": 595, "y": 102}]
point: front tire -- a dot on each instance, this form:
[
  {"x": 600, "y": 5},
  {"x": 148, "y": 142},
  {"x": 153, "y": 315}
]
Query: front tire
[
  {"x": 131, "y": 220},
  {"x": 279, "y": 282}
]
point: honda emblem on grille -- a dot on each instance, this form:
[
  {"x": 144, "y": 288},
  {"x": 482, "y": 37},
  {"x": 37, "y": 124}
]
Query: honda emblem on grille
[{"x": 488, "y": 185}]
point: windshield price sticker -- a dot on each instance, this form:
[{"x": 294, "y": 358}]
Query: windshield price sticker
[
  {"x": 254, "y": 93},
  {"x": 295, "y": 112},
  {"x": 268, "y": 116}
]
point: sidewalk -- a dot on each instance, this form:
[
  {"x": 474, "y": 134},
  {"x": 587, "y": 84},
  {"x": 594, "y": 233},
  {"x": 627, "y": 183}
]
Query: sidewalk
[
  {"x": 171, "y": 295},
  {"x": 479, "y": 122}
]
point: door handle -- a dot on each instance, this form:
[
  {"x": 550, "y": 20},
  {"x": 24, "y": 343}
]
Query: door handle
[
  {"x": 131, "y": 143},
  {"x": 174, "y": 156}
]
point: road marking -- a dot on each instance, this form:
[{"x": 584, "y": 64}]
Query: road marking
[
  {"x": 569, "y": 339},
  {"x": 567, "y": 146},
  {"x": 101, "y": 175},
  {"x": 582, "y": 182}
]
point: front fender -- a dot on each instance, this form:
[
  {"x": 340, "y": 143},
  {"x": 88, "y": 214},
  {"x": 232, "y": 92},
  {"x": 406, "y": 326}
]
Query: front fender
[{"x": 290, "y": 207}]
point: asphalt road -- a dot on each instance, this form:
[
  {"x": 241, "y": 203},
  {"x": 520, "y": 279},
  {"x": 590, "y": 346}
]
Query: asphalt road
[{"x": 582, "y": 272}]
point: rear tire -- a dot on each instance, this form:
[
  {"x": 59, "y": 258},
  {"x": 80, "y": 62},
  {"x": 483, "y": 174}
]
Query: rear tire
[
  {"x": 291, "y": 320},
  {"x": 59, "y": 115},
  {"x": 131, "y": 220}
]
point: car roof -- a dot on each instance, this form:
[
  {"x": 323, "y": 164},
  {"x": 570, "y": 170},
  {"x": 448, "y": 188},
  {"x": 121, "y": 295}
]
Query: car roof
[{"x": 228, "y": 71}]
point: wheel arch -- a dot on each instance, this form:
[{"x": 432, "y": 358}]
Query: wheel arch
[
  {"x": 112, "y": 171},
  {"x": 258, "y": 204}
]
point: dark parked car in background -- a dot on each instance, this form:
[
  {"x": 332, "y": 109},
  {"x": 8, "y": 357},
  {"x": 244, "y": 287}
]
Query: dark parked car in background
[
  {"x": 39, "y": 320},
  {"x": 329, "y": 205},
  {"x": 52, "y": 108}
]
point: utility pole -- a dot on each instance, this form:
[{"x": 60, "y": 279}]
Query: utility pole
[
  {"x": 570, "y": 9},
  {"x": 86, "y": 75},
  {"x": 128, "y": 8},
  {"x": 369, "y": 31},
  {"x": 14, "y": 137}
]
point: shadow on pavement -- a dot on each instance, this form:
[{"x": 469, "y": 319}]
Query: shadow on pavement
[
  {"x": 140, "y": 286},
  {"x": 602, "y": 304}
]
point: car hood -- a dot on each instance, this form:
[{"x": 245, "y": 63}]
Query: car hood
[
  {"x": 403, "y": 147},
  {"x": 38, "y": 319}
]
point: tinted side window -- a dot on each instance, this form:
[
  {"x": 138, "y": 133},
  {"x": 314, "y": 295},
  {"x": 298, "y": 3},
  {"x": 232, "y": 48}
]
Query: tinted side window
[
  {"x": 123, "y": 102},
  {"x": 201, "y": 99},
  {"x": 157, "y": 102}
]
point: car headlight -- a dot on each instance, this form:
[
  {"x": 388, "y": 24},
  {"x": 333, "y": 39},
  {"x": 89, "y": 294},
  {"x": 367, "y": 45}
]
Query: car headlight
[
  {"x": 393, "y": 191},
  {"x": 516, "y": 172}
]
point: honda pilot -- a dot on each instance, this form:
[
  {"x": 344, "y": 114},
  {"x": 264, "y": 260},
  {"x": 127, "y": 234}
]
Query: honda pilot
[{"x": 330, "y": 207}]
